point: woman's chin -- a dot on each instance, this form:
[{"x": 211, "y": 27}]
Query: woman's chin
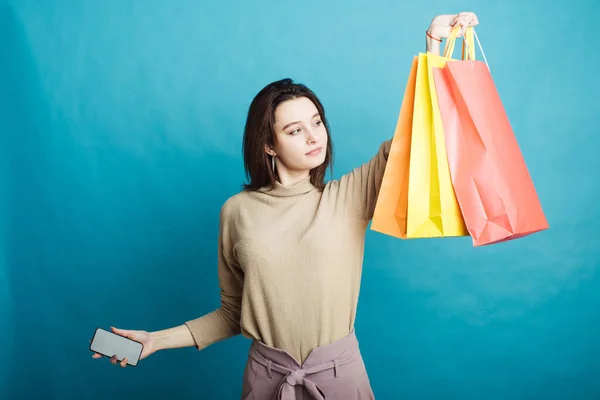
[{"x": 315, "y": 165}]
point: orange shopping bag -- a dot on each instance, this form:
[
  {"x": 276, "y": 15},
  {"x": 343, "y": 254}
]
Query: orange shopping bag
[
  {"x": 390, "y": 215},
  {"x": 490, "y": 178}
]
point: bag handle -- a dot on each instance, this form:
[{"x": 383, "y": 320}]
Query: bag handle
[
  {"x": 451, "y": 41},
  {"x": 468, "y": 45},
  {"x": 472, "y": 44}
]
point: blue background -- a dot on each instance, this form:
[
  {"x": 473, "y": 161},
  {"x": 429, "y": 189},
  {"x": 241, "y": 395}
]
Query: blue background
[{"x": 120, "y": 138}]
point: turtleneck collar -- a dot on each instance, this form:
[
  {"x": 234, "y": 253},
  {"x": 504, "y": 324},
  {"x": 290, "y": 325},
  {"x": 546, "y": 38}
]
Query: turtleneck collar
[{"x": 302, "y": 187}]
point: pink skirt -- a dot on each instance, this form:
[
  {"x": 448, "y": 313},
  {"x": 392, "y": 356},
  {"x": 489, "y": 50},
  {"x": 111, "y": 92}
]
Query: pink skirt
[{"x": 332, "y": 372}]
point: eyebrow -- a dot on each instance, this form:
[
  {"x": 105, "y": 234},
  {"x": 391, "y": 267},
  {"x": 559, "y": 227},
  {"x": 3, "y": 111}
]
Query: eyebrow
[{"x": 296, "y": 122}]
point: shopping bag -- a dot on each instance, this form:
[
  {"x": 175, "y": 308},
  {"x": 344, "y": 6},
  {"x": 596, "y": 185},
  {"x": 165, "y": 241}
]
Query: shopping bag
[
  {"x": 490, "y": 178},
  {"x": 416, "y": 185},
  {"x": 389, "y": 216},
  {"x": 433, "y": 209}
]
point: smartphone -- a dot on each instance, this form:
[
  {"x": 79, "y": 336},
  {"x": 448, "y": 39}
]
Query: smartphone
[{"x": 109, "y": 343}]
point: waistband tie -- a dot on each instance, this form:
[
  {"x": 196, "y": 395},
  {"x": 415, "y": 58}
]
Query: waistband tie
[
  {"x": 286, "y": 388},
  {"x": 287, "y": 391}
]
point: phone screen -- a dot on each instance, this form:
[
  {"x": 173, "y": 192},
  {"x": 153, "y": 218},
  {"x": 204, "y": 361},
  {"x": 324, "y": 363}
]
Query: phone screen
[{"x": 109, "y": 343}]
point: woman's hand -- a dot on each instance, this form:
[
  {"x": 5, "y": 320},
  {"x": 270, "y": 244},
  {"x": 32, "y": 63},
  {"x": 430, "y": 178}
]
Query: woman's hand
[
  {"x": 441, "y": 26},
  {"x": 140, "y": 336}
]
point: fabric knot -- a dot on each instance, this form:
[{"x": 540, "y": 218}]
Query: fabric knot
[{"x": 295, "y": 377}]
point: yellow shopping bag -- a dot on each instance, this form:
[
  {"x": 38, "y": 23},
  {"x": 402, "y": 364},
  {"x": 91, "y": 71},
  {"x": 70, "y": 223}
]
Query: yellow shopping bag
[
  {"x": 417, "y": 199},
  {"x": 433, "y": 210}
]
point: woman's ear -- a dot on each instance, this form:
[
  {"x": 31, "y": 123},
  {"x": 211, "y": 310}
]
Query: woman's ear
[{"x": 269, "y": 150}]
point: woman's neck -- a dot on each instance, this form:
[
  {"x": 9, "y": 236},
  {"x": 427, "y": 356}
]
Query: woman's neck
[{"x": 288, "y": 178}]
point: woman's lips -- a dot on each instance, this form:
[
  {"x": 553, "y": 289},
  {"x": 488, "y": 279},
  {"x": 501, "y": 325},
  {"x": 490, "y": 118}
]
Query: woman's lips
[{"x": 314, "y": 152}]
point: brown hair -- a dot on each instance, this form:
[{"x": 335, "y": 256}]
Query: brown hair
[{"x": 259, "y": 131}]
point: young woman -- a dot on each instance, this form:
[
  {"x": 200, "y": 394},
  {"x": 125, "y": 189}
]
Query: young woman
[{"x": 291, "y": 252}]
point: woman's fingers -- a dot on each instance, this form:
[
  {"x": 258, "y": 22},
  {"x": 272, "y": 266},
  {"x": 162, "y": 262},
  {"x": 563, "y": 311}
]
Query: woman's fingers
[
  {"x": 96, "y": 355},
  {"x": 123, "y": 332},
  {"x": 113, "y": 359},
  {"x": 465, "y": 19},
  {"x": 118, "y": 331},
  {"x": 469, "y": 19}
]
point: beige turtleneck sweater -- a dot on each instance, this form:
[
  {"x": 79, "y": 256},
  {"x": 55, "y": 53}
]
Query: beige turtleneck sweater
[{"x": 290, "y": 262}]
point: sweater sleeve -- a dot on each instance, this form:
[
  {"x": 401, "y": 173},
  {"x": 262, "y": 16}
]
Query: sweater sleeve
[
  {"x": 361, "y": 185},
  {"x": 224, "y": 322}
]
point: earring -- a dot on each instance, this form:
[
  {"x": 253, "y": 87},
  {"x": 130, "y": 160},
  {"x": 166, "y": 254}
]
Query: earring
[{"x": 273, "y": 163}]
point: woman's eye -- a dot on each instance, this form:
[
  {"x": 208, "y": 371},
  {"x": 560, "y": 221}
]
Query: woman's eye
[
  {"x": 294, "y": 131},
  {"x": 318, "y": 123}
]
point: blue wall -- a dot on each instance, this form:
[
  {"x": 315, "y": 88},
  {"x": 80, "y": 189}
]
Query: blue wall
[{"x": 120, "y": 135}]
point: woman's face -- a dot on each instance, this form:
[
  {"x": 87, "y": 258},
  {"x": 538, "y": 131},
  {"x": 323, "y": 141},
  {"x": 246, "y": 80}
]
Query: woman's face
[{"x": 300, "y": 138}]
